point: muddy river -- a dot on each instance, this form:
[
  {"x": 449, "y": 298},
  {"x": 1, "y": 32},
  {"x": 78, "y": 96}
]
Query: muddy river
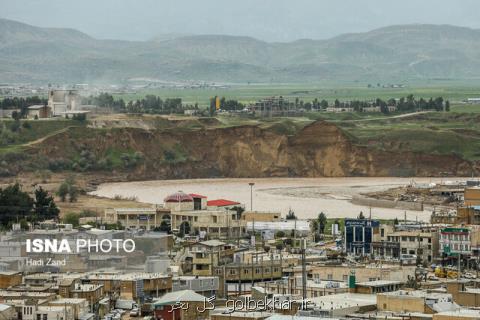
[{"x": 305, "y": 196}]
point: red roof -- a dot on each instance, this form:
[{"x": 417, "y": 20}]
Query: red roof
[
  {"x": 194, "y": 195},
  {"x": 178, "y": 197},
  {"x": 221, "y": 203}
]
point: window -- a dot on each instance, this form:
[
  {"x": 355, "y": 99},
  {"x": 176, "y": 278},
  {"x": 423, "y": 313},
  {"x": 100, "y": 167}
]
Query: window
[
  {"x": 345, "y": 277},
  {"x": 330, "y": 276},
  {"x": 39, "y": 316},
  {"x": 214, "y": 219},
  {"x": 382, "y": 232},
  {"x": 45, "y": 316}
]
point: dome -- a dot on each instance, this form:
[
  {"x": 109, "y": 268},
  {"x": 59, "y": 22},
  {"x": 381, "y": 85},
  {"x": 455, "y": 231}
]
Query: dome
[{"x": 179, "y": 196}]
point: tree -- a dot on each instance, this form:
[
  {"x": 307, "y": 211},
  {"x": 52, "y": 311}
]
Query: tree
[
  {"x": 15, "y": 204},
  {"x": 395, "y": 222},
  {"x": 72, "y": 218},
  {"x": 44, "y": 206},
  {"x": 280, "y": 234},
  {"x": 184, "y": 229},
  {"x": 165, "y": 226},
  {"x": 322, "y": 222},
  {"x": 63, "y": 191},
  {"x": 361, "y": 216},
  {"x": 291, "y": 215},
  {"x": 447, "y": 106},
  {"x": 314, "y": 226},
  {"x": 68, "y": 188}
]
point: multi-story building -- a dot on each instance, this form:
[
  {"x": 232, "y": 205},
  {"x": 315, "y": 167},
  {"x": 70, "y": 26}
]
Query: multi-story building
[
  {"x": 359, "y": 235},
  {"x": 62, "y": 101},
  {"x": 462, "y": 215},
  {"x": 192, "y": 210},
  {"x": 455, "y": 242},
  {"x": 395, "y": 242},
  {"x": 205, "y": 256}
]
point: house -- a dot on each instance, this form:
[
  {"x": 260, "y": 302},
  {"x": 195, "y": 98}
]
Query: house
[
  {"x": 180, "y": 305},
  {"x": 39, "y": 112}
]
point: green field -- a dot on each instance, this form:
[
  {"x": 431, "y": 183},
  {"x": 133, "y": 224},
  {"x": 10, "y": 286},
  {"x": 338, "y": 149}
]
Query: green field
[{"x": 307, "y": 92}]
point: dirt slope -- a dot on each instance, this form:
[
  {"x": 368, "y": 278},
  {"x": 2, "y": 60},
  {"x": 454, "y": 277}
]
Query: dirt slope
[{"x": 319, "y": 149}]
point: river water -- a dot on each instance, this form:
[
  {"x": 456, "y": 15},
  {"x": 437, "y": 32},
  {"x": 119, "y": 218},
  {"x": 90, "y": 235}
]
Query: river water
[{"x": 305, "y": 196}]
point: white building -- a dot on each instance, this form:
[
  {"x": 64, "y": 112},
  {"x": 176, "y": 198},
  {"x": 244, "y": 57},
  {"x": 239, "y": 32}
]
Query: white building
[{"x": 63, "y": 101}]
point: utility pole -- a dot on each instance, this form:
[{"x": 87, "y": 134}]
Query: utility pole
[
  {"x": 251, "y": 184},
  {"x": 304, "y": 273}
]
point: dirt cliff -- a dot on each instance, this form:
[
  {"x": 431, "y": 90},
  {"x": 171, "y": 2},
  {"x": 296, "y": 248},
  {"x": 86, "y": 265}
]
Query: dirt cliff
[{"x": 319, "y": 149}]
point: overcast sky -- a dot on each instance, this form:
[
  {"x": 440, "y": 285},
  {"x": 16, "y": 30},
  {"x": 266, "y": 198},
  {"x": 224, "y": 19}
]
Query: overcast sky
[{"x": 271, "y": 20}]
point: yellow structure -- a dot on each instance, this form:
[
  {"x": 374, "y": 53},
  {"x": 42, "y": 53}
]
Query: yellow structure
[{"x": 472, "y": 196}]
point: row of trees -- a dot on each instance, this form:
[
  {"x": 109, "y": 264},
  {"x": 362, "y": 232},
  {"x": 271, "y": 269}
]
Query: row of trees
[
  {"x": 17, "y": 205},
  {"x": 21, "y": 104},
  {"x": 404, "y": 104},
  {"x": 149, "y": 104}
]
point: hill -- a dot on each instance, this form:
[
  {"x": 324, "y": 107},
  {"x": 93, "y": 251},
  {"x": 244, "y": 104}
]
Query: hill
[{"x": 396, "y": 53}]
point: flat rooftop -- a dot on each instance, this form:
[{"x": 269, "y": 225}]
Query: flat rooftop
[{"x": 344, "y": 300}]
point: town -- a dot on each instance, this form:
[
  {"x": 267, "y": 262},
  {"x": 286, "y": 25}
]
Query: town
[{"x": 200, "y": 258}]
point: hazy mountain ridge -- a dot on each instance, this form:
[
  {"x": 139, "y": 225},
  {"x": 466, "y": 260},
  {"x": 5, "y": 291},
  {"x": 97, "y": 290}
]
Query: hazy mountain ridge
[{"x": 29, "y": 53}]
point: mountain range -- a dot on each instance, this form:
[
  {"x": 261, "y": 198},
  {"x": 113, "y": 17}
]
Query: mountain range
[{"x": 395, "y": 53}]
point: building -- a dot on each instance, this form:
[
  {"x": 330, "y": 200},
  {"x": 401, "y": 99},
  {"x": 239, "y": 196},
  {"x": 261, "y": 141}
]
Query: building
[
  {"x": 10, "y": 279},
  {"x": 180, "y": 305},
  {"x": 269, "y": 229},
  {"x": 206, "y": 286},
  {"x": 462, "y": 215},
  {"x": 339, "y": 109},
  {"x": 459, "y": 314},
  {"x": 374, "y": 287},
  {"x": 399, "y": 243},
  {"x": 79, "y": 307},
  {"x": 341, "y": 305},
  {"x": 314, "y": 288},
  {"x": 206, "y": 255},
  {"x": 137, "y": 218},
  {"x": 261, "y": 216},
  {"x": 455, "y": 241},
  {"x": 39, "y": 112},
  {"x": 415, "y": 301},
  {"x": 8, "y": 113},
  {"x": 134, "y": 286},
  {"x": 465, "y": 293},
  {"x": 359, "y": 235},
  {"x": 272, "y": 106},
  {"x": 372, "y": 109},
  {"x": 7, "y": 312},
  {"x": 61, "y": 102},
  {"x": 363, "y": 273},
  {"x": 36, "y": 312},
  {"x": 193, "y": 212},
  {"x": 472, "y": 196}
]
